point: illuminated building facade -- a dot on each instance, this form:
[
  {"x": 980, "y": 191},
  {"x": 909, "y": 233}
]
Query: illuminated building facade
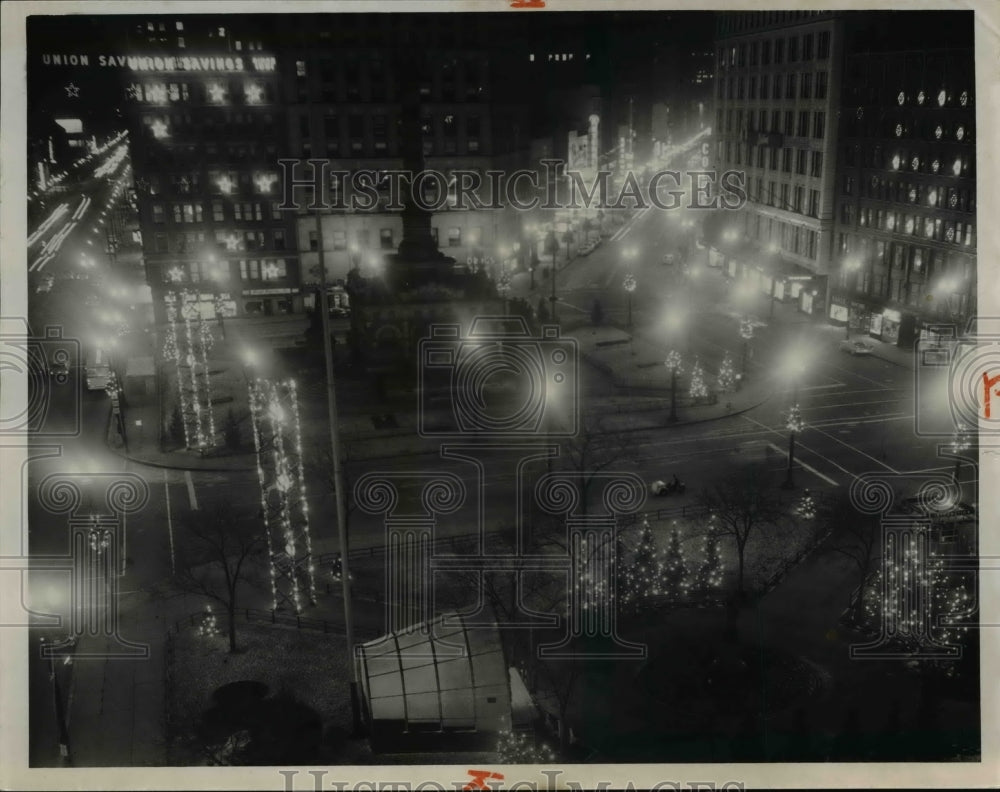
[
  {"x": 905, "y": 254},
  {"x": 777, "y": 91},
  {"x": 204, "y": 105}
]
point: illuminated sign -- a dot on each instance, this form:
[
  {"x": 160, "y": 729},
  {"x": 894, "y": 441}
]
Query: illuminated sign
[{"x": 168, "y": 63}]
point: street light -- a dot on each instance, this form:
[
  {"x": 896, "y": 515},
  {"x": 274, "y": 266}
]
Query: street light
[
  {"x": 959, "y": 442},
  {"x": 851, "y": 265},
  {"x": 673, "y": 364},
  {"x": 794, "y": 368},
  {"x": 629, "y": 284}
]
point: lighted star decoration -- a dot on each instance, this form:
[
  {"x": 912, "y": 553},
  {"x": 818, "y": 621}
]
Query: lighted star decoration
[
  {"x": 159, "y": 129},
  {"x": 963, "y": 98},
  {"x": 271, "y": 271},
  {"x": 156, "y": 93},
  {"x": 960, "y": 133},
  {"x": 265, "y": 181},
  {"x": 253, "y": 93},
  {"x": 175, "y": 274},
  {"x": 225, "y": 184},
  {"x": 921, "y": 97},
  {"x": 217, "y": 93},
  {"x": 72, "y": 91},
  {"x": 134, "y": 91},
  {"x": 232, "y": 242}
]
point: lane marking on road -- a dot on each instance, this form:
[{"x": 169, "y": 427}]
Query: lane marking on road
[
  {"x": 170, "y": 522},
  {"x": 835, "y": 384},
  {"x": 190, "y": 488},
  {"x": 858, "y": 451},
  {"x": 831, "y": 422},
  {"x": 859, "y": 376},
  {"x": 838, "y": 405},
  {"x": 804, "y": 465},
  {"x": 804, "y": 447}
]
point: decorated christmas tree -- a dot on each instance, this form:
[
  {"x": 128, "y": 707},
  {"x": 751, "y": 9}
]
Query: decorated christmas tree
[
  {"x": 727, "y": 375},
  {"x": 639, "y": 578},
  {"x": 708, "y": 579},
  {"x": 675, "y": 569},
  {"x": 521, "y": 748},
  {"x": 806, "y": 508},
  {"x": 698, "y": 389}
]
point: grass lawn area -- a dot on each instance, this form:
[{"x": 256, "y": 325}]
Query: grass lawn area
[{"x": 305, "y": 664}]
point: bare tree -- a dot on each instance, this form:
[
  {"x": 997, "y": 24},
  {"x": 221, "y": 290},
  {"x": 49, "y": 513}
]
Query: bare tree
[
  {"x": 215, "y": 555},
  {"x": 591, "y": 451},
  {"x": 741, "y": 503},
  {"x": 857, "y": 536}
]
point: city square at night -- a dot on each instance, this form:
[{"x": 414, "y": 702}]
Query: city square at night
[{"x": 590, "y": 387}]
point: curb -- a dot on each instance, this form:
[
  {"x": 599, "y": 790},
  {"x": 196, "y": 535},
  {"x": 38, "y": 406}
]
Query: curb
[{"x": 893, "y": 362}]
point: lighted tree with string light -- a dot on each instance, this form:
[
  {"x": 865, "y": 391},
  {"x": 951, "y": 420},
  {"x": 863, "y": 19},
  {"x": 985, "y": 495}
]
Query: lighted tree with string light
[
  {"x": 960, "y": 441},
  {"x": 727, "y": 375},
  {"x": 918, "y": 577},
  {"x": 708, "y": 578},
  {"x": 675, "y": 569},
  {"x": 521, "y": 748},
  {"x": 641, "y": 578},
  {"x": 697, "y": 389}
]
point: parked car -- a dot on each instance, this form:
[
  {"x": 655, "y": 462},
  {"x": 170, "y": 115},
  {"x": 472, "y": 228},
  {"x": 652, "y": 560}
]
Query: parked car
[
  {"x": 45, "y": 283},
  {"x": 856, "y": 347}
]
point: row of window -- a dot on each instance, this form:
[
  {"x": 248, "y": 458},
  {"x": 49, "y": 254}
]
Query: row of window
[
  {"x": 932, "y": 196},
  {"x": 947, "y": 231},
  {"x": 790, "y": 198},
  {"x": 806, "y": 162},
  {"x": 902, "y": 262},
  {"x": 789, "y": 123},
  {"x": 931, "y": 127},
  {"x": 804, "y": 47},
  {"x": 790, "y": 237},
  {"x": 807, "y": 85},
  {"x": 453, "y": 238},
  {"x": 896, "y": 159},
  {"x": 196, "y": 242},
  {"x": 959, "y": 167}
]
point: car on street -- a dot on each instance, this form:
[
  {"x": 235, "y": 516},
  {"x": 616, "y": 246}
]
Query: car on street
[
  {"x": 852, "y": 347},
  {"x": 45, "y": 283}
]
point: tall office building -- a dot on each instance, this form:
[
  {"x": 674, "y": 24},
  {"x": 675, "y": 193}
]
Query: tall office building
[
  {"x": 345, "y": 79},
  {"x": 776, "y": 99},
  {"x": 905, "y": 245},
  {"x": 205, "y": 111}
]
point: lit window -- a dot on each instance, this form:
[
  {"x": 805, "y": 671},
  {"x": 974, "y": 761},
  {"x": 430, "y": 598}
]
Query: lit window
[
  {"x": 938, "y": 131},
  {"x": 915, "y": 163},
  {"x": 936, "y": 166},
  {"x": 956, "y": 168},
  {"x": 300, "y": 68},
  {"x": 921, "y": 97},
  {"x": 895, "y": 162},
  {"x": 890, "y": 222},
  {"x": 949, "y": 233},
  {"x": 901, "y": 98},
  {"x": 953, "y": 200},
  {"x": 909, "y": 225},
  {"x": 180, "y": 25},
  {"x": 963, "y": 98},
  {"x": 942, "y": 98},
  {"x": 928, "y": 227},
  {"x": 899, "y": 130},
  {"x": 960, "y": 133},
  {"x": 932, "y": 197},
  {"x": 531, "y": 57},
  {"x": 226, "y": 184},
  {"x": 913, "y": 195}
]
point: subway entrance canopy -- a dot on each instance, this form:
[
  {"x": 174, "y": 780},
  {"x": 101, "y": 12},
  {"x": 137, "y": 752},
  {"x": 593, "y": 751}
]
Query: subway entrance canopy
[{"x": 440, "y": 686}]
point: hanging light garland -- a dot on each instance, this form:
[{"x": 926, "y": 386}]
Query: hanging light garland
[
  {"x": 519, "y": 748},
  {"x": 277, "y": 429}
]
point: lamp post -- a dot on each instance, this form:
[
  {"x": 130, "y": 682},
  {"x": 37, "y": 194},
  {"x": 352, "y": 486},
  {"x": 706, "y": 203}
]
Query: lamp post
[
  {"x": 629, "y": 284},
  {"x": 793, "y": 418},
  {"x": 673, "y": 364},
  {"x": 746, "y": 333},
  {"x": 775, "y": 251},
  {"x": 959, "y": 442},
  {"x": 851, "y": 265},
  {"x": 57, "y": 701}
]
